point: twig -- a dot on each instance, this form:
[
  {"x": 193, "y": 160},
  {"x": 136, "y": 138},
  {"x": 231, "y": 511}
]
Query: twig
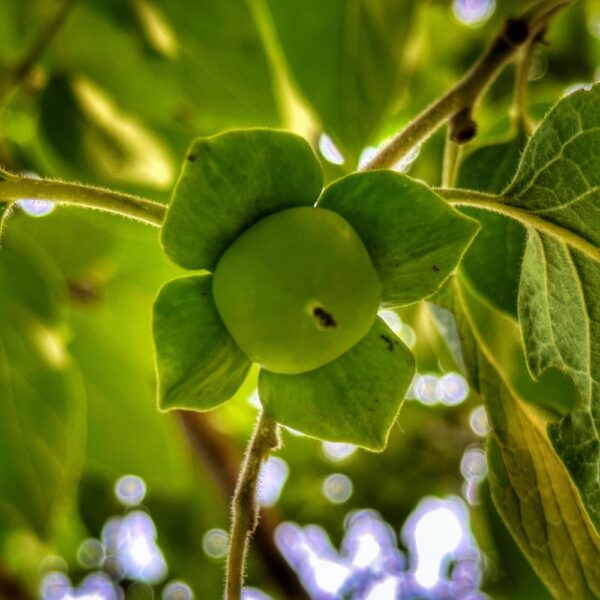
[
  {"x": 222, "y": 459},
  {"x": 452, "y": 157},
  {"x": 520, "y": 112},
  {"x": 493, "y": 203},
  {"x": 244, "y": 511},
  {"x": 16, "y": 188},
  {"x": 464, "y": 94}
]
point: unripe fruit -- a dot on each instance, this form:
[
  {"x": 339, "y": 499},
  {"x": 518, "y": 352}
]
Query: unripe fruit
[{"x": 297, "y": 289}]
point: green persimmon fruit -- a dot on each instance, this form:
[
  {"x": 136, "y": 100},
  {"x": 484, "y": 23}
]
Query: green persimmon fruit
[{"x": 297, "y": 289}]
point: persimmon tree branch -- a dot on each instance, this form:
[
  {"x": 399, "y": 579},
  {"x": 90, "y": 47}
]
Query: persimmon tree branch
[
  {"x": 15, "y": 188},
  {"x": 462, "y": 97}
]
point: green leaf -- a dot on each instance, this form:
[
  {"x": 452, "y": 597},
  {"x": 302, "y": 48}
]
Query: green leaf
[
  {"x": 346, "y": 57},
  {"x": 501, "y": 240},
  {"x": 355, "y": 398},
  {"x": 229, "y": 182},
  {"x": 537, "y": 498},
  {"x": 42, "y": 407},
  {"x": 199, "y": 365},
  {"x": 558, "y": 184},
  {"x": 92, "y": 135},
  {"x": 532, "y": 489},
  {"x": 415, "y": 239}
]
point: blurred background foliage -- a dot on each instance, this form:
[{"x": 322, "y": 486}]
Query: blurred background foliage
[{"x": 115, "y": 97}]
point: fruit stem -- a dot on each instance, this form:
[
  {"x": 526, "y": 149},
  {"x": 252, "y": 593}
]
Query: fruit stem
[
  {"x": 244, "y": 509},
  {"x": 16, "y": 188}
]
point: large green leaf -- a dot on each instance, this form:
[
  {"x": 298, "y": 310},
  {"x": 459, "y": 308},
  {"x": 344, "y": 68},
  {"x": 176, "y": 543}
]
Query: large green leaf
[
  {"x": 533, "y": 490},
  {"x": 537, "y": 497},
  {"x": 355, "y": 398},
  {"x": 210, "y": 74},
  {"x": 558, "y": 184},
  {"x": 199, "y": 365},
  {"x": 414, "y": 238},
  {"x": 229, "y": 182},
  {"x": 346, "y": 57},
  {"x": 42, "y": 406},
  {"x": 501, "y": 240}
]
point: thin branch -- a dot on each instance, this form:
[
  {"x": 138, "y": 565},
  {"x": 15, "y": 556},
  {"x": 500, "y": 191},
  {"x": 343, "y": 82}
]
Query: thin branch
[
  {"x": 525, "y": 59},
  {"x": 244, "y": 511},
  {"x": 140, "y": 209},
  {"x": 464, "y": 94},
  {"x": 452, "y": 156},
  {"x": 32, "y": 55},
  {"x": 222, "y": 459},
  {"x": 492, "y": 203}
]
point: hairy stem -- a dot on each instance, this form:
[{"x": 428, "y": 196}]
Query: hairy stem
[
  {"x": 521, "y": 114},
  {"x": 493, "y": 203},
  {"x": 464, "y": 94},
  {"x": 452, "y": 156},
  {"x": 222, "y": 458},
  {"x": 17, "y": 73},
  {"x": 244, "y": 510},
  {"x": 18, "y": 188}
]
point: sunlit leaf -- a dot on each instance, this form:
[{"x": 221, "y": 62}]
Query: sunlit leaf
[
  {"x": 229, "y": 182},
  {"x": 355, "y": 398},
  {"x": 558, "y": 182},
  {"x": 414, "y": 238},
  {"x": 199, "y": 364},
  {"x": 346, "y": 57},
  {"x": 532, "y": 488}
]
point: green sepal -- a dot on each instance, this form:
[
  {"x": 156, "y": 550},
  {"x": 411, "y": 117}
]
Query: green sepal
[
  {"x": 199, "y": 365},
  {"x": 415, "y": 239},
  {"x": 353, "y": 399},
  {"x": 229, "y": 182}
]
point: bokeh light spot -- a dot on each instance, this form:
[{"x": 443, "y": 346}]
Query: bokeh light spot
[
  {"x": 473, "y": 464},
  {"x": 177, "y": 590},
  {"x": 329, "y": 150},
  {"x": 478, "y": 421},
  {"x": 473, "y": 12},
  {"x": 338, "y": 488},
  {"x": 130, "y": 490},
  {"x": 273, "y": 475},
  {"x": 91, "y": 553},
  {"x": 452, "y": 389},
  {"x": 215, "y": 542},
  {"x": 337, "y": 451}
]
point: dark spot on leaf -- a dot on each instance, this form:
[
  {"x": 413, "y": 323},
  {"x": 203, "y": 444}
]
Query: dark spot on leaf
[
  {"x": 389, "y": 341},
  {"x": 435, "y": 268},
  {"x": 325, "y": 320},
  {"x": 191, "y": 157}
]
